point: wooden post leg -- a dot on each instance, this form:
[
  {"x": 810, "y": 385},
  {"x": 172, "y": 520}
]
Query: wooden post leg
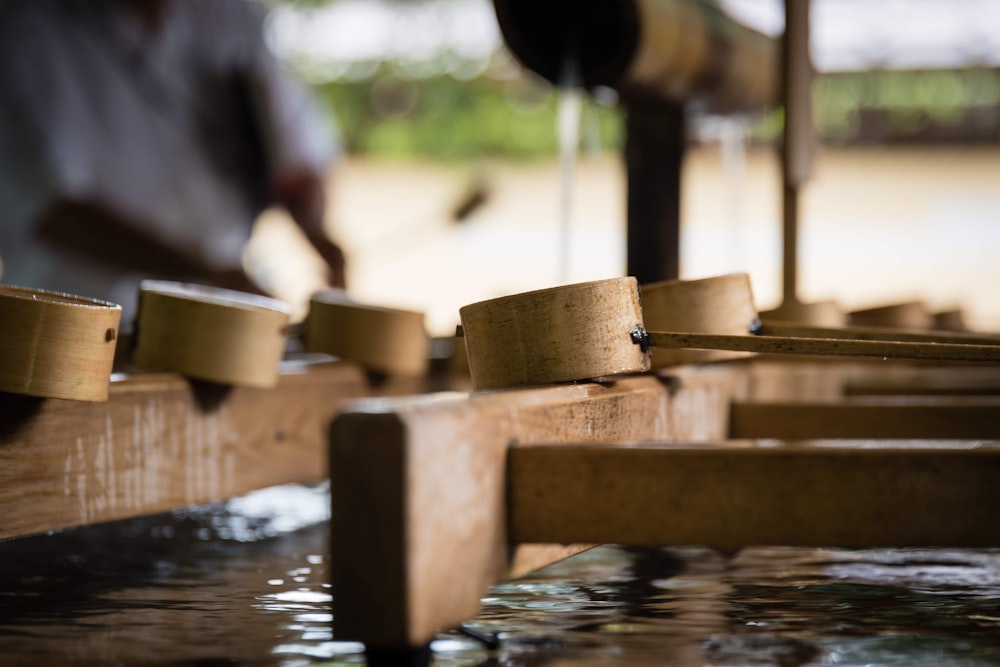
[
  {"x": 654, "y": 157},
  {"x": 419, "y": 494}
]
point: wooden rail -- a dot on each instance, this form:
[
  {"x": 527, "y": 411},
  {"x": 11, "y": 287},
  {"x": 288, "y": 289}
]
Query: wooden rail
[
  {"x": 733, "y": 494},
  {"x": 419, "y": 490},
  {"x": 911, "y": 417},
  {"x": 161, "y": 442}
]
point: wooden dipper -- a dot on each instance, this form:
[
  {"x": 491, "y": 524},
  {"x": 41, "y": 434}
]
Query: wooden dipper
[
  {"x": 590, "y": 330},
  {"x": 56, "y": 345},
  {"x": 210, "y": 333},
  {"x": 725, "y": 305},
  {"x": 558, "y": 334},
  {"x": 721, "y": 304},
  {"x": 388, "y": 340}
]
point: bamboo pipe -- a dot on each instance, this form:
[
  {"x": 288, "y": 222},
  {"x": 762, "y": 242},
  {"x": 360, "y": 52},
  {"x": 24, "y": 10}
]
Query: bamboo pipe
[{"x": 676, "y": 50}]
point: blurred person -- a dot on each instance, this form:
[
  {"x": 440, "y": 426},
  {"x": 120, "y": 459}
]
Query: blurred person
[{"x": 142, "y": 138}]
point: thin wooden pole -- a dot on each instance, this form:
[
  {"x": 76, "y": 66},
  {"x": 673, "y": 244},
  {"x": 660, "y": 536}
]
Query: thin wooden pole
[
  {"x": 797, "y": 138},
  {"x": 877, "y": 333},
  {"x": 827, "y": 347}
]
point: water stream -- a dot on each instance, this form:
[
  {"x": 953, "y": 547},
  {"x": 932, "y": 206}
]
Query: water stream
[
  {"x": 734, "y": 138},
  {"x": 570, "y": 105},
  {"x": 245, "y": 583}
]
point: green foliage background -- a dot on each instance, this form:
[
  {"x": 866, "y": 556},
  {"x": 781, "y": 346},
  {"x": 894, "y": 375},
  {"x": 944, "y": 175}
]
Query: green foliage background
[{"x": 446, "y": 118}]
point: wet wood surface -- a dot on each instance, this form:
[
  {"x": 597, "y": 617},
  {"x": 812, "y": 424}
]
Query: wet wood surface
[
  {"x": 419, "y": 490},
  {"x": 162, "y": 442},
  {"x": 434, "y": 497}
]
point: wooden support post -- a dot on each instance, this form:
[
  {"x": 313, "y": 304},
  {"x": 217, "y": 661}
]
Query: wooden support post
[
  {"x": 419, "y": 528},
  {"x": 161, "y": 442},
  {"x": 885, "y": 419},
  {"x": 655, "y": 145},
  {"x": 733, "y": 495},
  {"x": 422, "y": 485},
  {"x": 797, "y": 139}
]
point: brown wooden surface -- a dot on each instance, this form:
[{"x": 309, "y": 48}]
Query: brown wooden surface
[
  {"x": 808, "y": 494},
  {"x": 209, "y": 333},
  {"x": 720, "y": 304},
  {"x": 160, "y": 442},
  {"x": 923, "y": 380},
  {"x": 420, "y": 484},
  {"x": 418, "y": 488},
  {"x": 560, "y": 334},
  {"x": 387, "y": 340},
  {"x": 885, "y": 418}
]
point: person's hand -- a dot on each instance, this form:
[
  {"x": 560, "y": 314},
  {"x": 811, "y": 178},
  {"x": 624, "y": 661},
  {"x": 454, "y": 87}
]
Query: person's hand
[
  {"x": 302, "y": 193},
  {"x": 333, "y": 256}
]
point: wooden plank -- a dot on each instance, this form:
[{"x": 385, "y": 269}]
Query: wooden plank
[
  {"x": 419, "y": 484},
  {"x": 915, "y": 417},
  {"x": 418, "y": 490},
  {"x": 794, "y": 330},
  {"x": 938, "y": 381},
  {"x": 162, "y": 442},
  {"x": 733, "y": 495}
]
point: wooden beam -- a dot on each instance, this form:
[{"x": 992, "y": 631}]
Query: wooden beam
[
  {"x": 924, "y": 380},
  {"x": 733, "y": 495},
  {"x": 915, "y": 417},
  {"x": 420, "y": 486},
  {"x": 161, "y": 442},
  {"x": 419, "y": 490}
]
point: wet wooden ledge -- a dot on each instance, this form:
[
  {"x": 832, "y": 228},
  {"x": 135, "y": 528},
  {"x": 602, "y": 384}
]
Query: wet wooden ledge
[{"x": 162, "y": 442}]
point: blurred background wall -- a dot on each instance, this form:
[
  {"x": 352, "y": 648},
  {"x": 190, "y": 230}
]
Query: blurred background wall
[{"x": 450, "y": 187}]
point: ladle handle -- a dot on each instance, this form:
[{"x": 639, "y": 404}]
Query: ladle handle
[
  {"x": 876, "y": 333},
  {"x": 826, "y": 346}
]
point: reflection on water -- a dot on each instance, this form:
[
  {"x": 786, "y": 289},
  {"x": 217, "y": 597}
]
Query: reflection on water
[{"x": 244, "y": 583}]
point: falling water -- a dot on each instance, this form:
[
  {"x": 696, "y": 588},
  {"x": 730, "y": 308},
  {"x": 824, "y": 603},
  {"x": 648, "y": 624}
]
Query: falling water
[
  {"x": 733, "y": 140},
  {"x": 568, "y": 132}
]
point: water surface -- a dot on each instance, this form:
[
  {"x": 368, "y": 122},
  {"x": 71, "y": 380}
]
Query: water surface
[{"x": 245, "y": 583}]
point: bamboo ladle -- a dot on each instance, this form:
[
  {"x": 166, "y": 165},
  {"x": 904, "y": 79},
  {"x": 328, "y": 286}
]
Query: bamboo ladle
[
  {"x": 596, "y": 329},
  {"x": 56, "y": 345},
  {"x": 209, "y": 333},
  {"x": 725, "y": 305},
  {"x": 389, "y": 340}
]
